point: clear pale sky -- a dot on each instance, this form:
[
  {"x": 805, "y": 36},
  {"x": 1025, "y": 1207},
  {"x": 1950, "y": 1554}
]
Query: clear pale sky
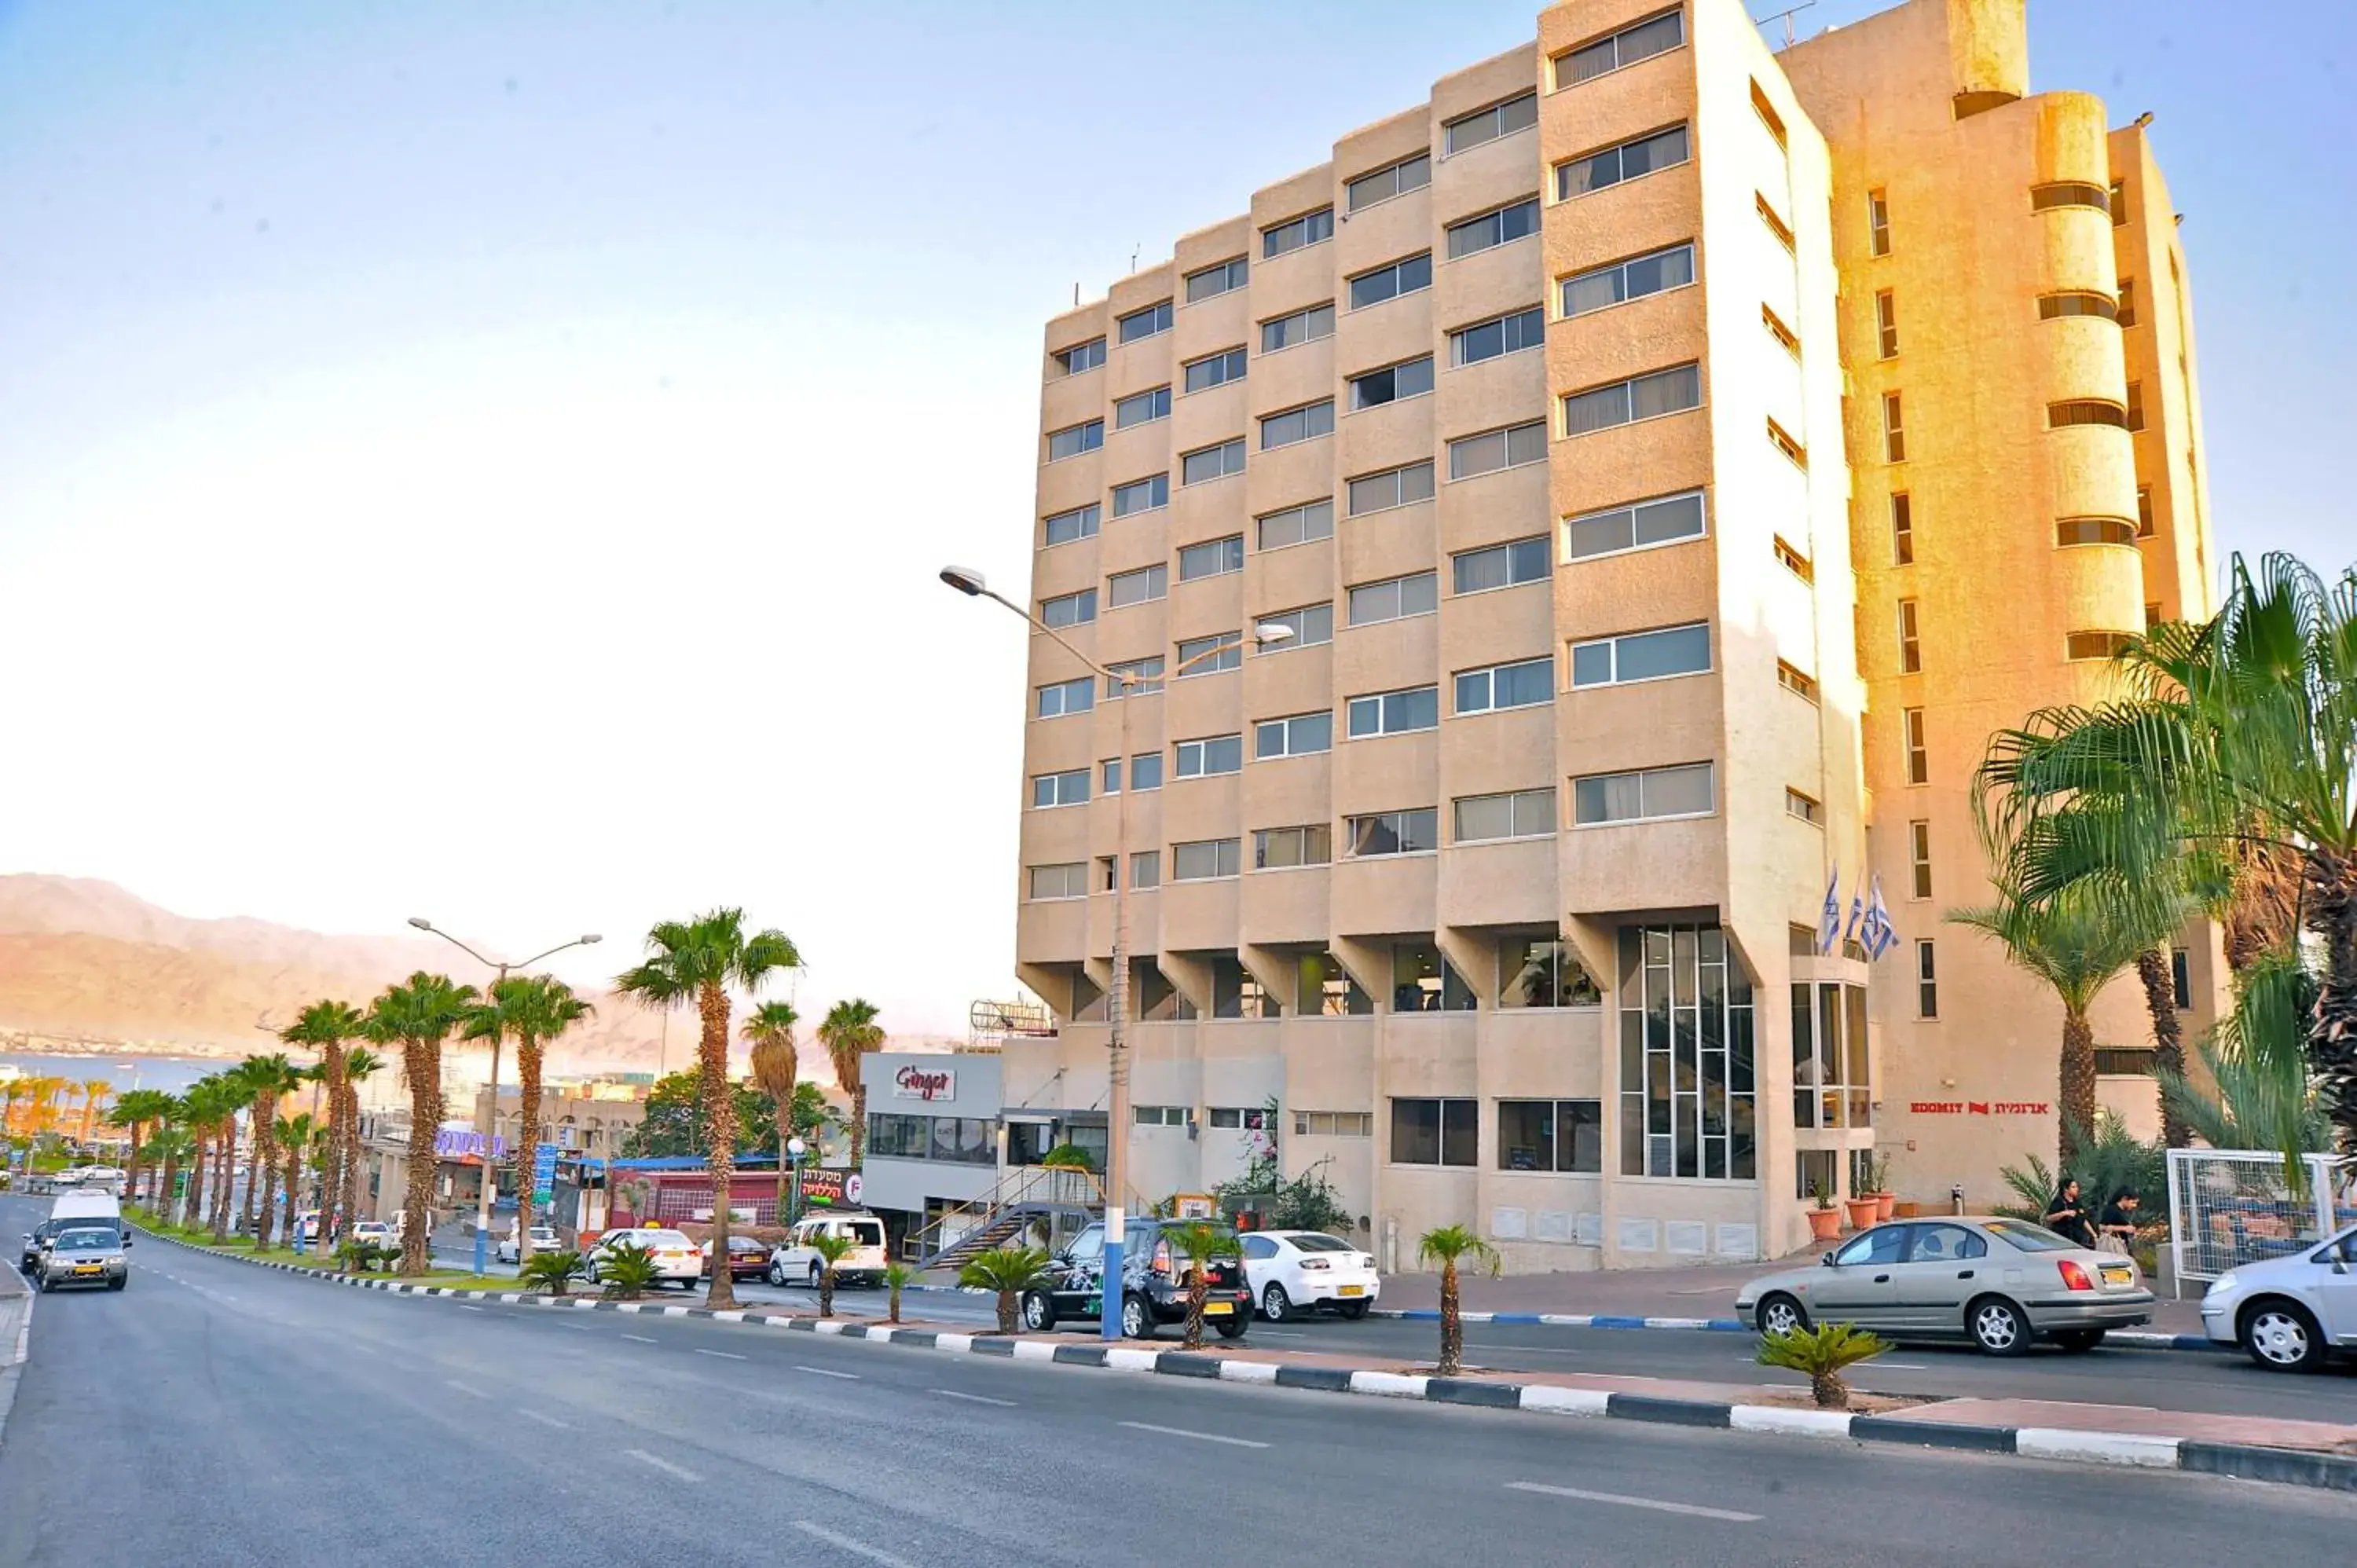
[{"x": 490, "y": 462}]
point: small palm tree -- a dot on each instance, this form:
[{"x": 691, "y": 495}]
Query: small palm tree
[
  {"x": 1445, "y": 1246},
  {"x": 850, "y": 1032},
  {"x": 1822, "y": 1351},
  {"x": 418, "y": 1015},
  {"x": 627, "y": 1270},
  {"x": 550, "y": 1272},
  {"x": 771, "y": 1032},
  {"x": 1008, "y": 1271},
  {"x": 1199, "y": 1244},
  {"x": 831, "y": 1249},
  {"x": 897, "y": 1277}
]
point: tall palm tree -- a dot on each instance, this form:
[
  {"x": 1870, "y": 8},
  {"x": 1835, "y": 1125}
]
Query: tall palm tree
[
  {"x": 199, "y": 1103},
  {"x": 490, "y": 1021},
  {"x": 361, "y": 1064},
  {"x": 168, "y": 1145},
  {"x": 94, "y": 1094},
  {"x": 695, "y": 962},
  {"x": 771, "y": 1032},
  {"x": 14, "y": 1090},
  {"x": 849, "y": 1032},
  {"x": 271, "y": 1077},
  {"x": 235, "y": 1094},
  {"x": 293, "y": 1137},
  {"x": 418, "y": 1015},
  {"x": 138, "y": 1111},
  {"x": 325, "y": 1028},
  {"x": 538, "y": 1008}
]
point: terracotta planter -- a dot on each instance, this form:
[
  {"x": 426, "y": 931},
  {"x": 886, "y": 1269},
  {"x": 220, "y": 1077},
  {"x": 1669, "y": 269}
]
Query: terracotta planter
[
  {"x": 1907, "y": 1208},
  {"x": 1824, "y": 1224},
  {"x": 1862, "y": 1212},
  {"x": 1884, "y": 1204}
]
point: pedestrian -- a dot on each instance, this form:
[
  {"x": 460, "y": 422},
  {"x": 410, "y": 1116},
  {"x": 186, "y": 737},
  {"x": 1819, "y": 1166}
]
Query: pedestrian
[
  {"x": 2067, "y": 1215},
  {"x": 2122, "y": 1217}
]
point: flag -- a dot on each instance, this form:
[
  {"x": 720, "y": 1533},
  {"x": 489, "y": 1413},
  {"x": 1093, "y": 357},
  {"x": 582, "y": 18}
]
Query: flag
[
  {"x": 1856, "y": 914},
  {"x": 1880, "y": 938},
  {"x": 1829, "y": 920}
]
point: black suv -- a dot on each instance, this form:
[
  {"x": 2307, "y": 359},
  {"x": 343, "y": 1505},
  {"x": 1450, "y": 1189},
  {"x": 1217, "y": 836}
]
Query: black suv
[{"x": 1153, "y": 1287}]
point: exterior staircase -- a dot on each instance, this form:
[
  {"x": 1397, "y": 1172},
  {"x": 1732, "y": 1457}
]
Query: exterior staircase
[{"x": 1055, "y": 1199}]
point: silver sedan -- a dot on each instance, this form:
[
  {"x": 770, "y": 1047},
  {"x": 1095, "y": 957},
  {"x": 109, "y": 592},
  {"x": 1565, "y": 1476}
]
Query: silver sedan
[{"x": 2001, "y": 1284}]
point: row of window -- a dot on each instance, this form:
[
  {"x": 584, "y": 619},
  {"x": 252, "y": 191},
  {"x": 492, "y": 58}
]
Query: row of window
[{"x": 1561, "y": 1136}]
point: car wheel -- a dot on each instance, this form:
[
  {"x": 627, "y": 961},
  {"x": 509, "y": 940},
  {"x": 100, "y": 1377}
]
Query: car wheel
[
  {"x": 1353, "y": 1310},
  {"x": 1038, "y": 1312},
  {"x": 1231, "y": 1327},
  {"x": 118, "y": 1284},
  {"x": 1998, "y": 1327},
  {"x": 2282, "y": 1337},
  {"x": 2077, "y": 1340},
  {"x": 1780, "y": 1313},
  {"x": 1274, "y": 1304},
  {"x": 814, "y": 1273},
  {"x": 1137, "y": 1318},
  {"x": 776, "y": 1275}
]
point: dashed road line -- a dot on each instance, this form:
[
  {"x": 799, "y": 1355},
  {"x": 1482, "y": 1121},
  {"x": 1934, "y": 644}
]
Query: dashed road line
[
  {"x": 682, "y": 1471},
  {"x": 544, "y": 1420},
  {"x": 823, "y": 1372},
  {"x": 724, "y": 1355},
  {"x": 975, "y": 1399},
  {"x": 857, "y": 1548},
  {"x": 1692, "y": 1511},
  {"x": 640, "y": 1338},
  {"x": 465, "y": 1388},
  {"x": 1198, "y": 1436}
]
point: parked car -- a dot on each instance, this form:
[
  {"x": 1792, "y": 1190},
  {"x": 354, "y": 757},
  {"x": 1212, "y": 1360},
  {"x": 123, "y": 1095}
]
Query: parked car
[
  {"x": 677, "y": 1259},
  {"x": 748, "y": 1257},
  {"x": 2001, "y": 1284},
  {"x": 307, "y": 1224},
  {"x": 1153, "y": 1283},
  {"x": 35, "y": 1240},
  {"x": 2291, "y": 1314},
  {"x": 1293, "y": 1272},
  {"x": 544, "y": 1239},
  {"x": 81, "y": 1254},
  {"x": 795, "y": 1261},
  {"x": 375, "y": 1230}
]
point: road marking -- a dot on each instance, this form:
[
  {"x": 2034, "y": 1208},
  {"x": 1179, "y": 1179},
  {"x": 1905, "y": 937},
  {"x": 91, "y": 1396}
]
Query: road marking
[
  {"x": 1531, "y": 1349},
  {"x": 544, "y": 1420},
  {"x": 1281, "y": 1334},
  {"x": 1198, "y": 1436},
  {"x": 857, "y": 1548},
  {"x": 640, "y": 1338},
  {"x": 823, "y": 1372},
  {"x": 585, "y": 1328},
  {"x": 469, "y": 1306},
  {"x": 464, "y": 1388},
  {"x": 1655, "y": 1504},
  {"x": 663, "y": 1464},
  {"x": 975, "y": 1399},
  {"x": 724, "y": 1355}
]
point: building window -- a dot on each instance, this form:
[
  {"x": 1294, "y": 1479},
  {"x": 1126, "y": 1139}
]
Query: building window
[
  {"x": 1641, "y": 526},
  {"x": 1146, "y": 865},
  {"x": 1205, "y": 859},
  {"x": 1145, "y": 771},
  {"x": 1396, "y": 598},
  {"x": 1066, "y": 881},
  {"x": 1138, "y": 677},
  {"x": 1792, "y": 561},
  {"x": 1894, "y": 429},
  {"x": 1394, "y": 713},
  {"x": 1068, "y": 610},
  {"x": 1296, "y": 425},
  {"x": 1249, "y": 1119},
  {"x": 1159, "y": 1115},
  {"x": 1792, "y": 451},
  {"x": 1296, "y": 736},
  {"x": 1918, "y": 750},
  {"x": 1646, "y": 795},
  {"x": 2095, "y": 531},
  {"x": 1543, "y": 971},
  {"x": 1832, "y": 1087},
  {"x": 2143, "y": 512},
  {"x": 1551, "y": 1135},
  {"x": 2124, "y": 311},
  {"x": 1886, "y": 323},
  {"x": 1500, "y": 565},
  {"x": 2077, "y": 302},
  {"x": 1499, "y": 336},
  {"x": 2136, "y": 405},
  {"x": 1797, "y": 682},
  {"x": 1212, "y": 558},
  {"x": 1776, "y": 226},
  {"x": 1903, "y": 530},
  {"x": 1393, "y": 487},
  {"x": 1656, "y": 35},
  {"x": 1141, "y": 495},
  {"x": 1807, "y": 808},
  {"x": 1209, "y": 655},
  {"x": 1641, "y": 656},
  {"x": 1919, "y": 857},
  {"x": 1334, "y": 1123},
  {"x": 1323, "y": 987},
  {"x": 1109, "y": 775},
  {"x": 1398, "y": 180},
  {"x": 1391, "y": 281},
  {"x": 1212, "y": 282},
  {"x": 1080, "y": 357},
  {"x": 1767, "y": 116},
  {"x": 1518, "y": 220},
  {"x": 1613, "y": 166},
  {"x": 1292, "y": 235},
  {"x": 2119, "y": 203},
  {"x": 1524, "y": 813},
  {"x": 1301, "y": 326},
  {"x": 1672, "y": 390},
  {"x": 1425, "y": 981},
  {"x": 2152, "y": 615},
  {"x": 1910, "y": 639},
  {"x": 1473, "y": 455},
  {"x": 1688, "y": 1075},
  {"x": 1517, "y": 114},
  {"x": 1215, "y": 370},
  {"x": 1522, "y": 685},
  {"x": 2180, "y": 973},
  {"x": 1213, "y": 462},
  {"x": 2087, "y": 645},
  {"x": 1877, "y": 222},
  {"x": 1435, "y": 1131},
  {"x": 1142, "y": 323},
  {"x": 1141, "y": 586},
  {"x": 1927, "y": 980},
  {"x": 2068, "y": 193},
  {"x": 1142, "y": 408},
  {"x": 1410, "y": 378},
  {"x": 1049, "y": 789},
  {"x": 1063, "y": 697},
  {"x": 1311, "y": 625},
  {"x": 2086, "y": 411},
  {"x": 1785, "y": 338},
  {"x": 1296, "y": 524},
  {"x": 1073, "y": 440},
  {"x": 1203, "y": 758},
  {"x": 1275, "y": 849},
  {"x": 1081, "y": 522}
]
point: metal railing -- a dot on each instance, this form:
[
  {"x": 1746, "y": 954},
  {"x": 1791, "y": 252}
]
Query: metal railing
[
  {"x": 2228, "y": 1207},
  {"x": 1044, "y": 1188}
]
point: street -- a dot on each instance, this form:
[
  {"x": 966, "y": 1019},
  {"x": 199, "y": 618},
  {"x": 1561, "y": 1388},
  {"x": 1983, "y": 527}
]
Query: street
[{"x": 244, "y": 1415}]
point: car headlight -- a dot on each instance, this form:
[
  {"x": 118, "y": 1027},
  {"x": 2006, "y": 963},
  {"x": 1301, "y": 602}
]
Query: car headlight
[{"x": 2224, "y": 1284}]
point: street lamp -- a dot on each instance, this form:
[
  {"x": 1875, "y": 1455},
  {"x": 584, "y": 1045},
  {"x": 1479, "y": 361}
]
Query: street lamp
[
  {"x": 488, "y": 1182},
  {"x": 795, "y": 1150},
  {"x": 971, "y": 583}
]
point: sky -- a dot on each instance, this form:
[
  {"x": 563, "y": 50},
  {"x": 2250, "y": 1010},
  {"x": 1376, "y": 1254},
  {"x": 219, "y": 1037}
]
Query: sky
[{"x": 492, "y": 462}]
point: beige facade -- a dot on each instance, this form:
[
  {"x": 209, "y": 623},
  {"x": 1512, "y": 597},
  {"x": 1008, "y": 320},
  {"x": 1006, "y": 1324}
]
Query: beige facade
[{"x": 1547, "y": 417}]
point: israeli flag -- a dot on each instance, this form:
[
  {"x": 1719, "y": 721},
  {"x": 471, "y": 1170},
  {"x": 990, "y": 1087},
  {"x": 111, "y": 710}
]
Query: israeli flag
[
  {"x": 1880, "y": 938},
  {"x": 1829, "y": 919},
  {"x": 1856, "y": 915}
]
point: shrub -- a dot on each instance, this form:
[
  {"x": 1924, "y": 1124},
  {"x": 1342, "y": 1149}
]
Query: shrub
[
  {"x": 1006, "y": 1271},
  {"x": 1822, "y": 1351},
  {"x": 550, "y": 1272},
  {"x": 627, "y": 1271}
]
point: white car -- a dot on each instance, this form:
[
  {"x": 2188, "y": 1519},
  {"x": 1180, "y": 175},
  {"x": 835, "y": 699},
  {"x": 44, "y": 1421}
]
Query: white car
[
  {"x": 375, "y": 1230},
  {"x": 797, "y": 1262},
  {"x": 2289, "y": 1313},
  {"x": 678, "y": 1261},
  {"x": 544, "y": 1239},
  {"x": 1296, "y": 1271}
]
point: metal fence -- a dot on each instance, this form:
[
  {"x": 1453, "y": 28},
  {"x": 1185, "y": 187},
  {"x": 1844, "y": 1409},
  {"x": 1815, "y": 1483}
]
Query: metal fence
[{"x": 2233, "y": 1206}]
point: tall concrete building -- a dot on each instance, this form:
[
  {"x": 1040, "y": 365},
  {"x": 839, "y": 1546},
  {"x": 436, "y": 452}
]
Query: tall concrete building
[{"x": 1549, "y": 540}]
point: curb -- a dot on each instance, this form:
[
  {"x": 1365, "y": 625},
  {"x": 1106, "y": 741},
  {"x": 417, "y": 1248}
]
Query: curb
[
  {"x": 2126, "y": 1338},
  {"x": 13, "y": 1356},
  {"x": 2284, "y": 1467}
]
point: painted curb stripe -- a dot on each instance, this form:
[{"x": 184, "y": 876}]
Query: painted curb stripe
[
  {"x": 1933, "y": 1433},
  {"x": 1669, "y": 1411}
]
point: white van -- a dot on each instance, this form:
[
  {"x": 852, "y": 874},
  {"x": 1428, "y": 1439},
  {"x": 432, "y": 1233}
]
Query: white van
[
  {"x": 89, "y": 1203},
  {"x": 797, "y": 1262}
]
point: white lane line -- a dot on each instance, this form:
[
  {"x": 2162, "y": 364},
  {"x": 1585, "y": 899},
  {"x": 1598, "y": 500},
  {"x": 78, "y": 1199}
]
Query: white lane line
[
  {"x": 663, "y": 1464},
  {"x": 464, "y": 1388},
  {"x": 974, "y": 1399},
  {"x": 857, "y": 1548},
  {"x": 724, "y": 1355},
  {"x": 640, "y": 1338},
  {"x": 544, "y": 1420},
  {"x": 1198, "y": 1436},
  {"x": 1531, "y": 1349},
  {"x": 1279, "y": 1333},
  {"x": 823, "y": 1372},
  {"x": 469, "y": 1306},
  {"x": 1655, "y": 1504},
  {"x": 585, "y": 1328}
]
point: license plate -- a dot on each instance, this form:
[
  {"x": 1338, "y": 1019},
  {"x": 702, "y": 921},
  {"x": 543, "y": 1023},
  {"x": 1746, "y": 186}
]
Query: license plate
[
  {"x": 1350, "y": 1290},
  {"x": 2118, "y": 1275},
  {"x": 87, "y": 1268},
  {"x": 1216, "y": 1309}
]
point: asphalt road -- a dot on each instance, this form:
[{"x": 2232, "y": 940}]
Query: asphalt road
[{"x": 218, "y": 1414}]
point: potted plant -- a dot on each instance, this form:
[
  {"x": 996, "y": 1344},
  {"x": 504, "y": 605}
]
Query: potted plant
[
  {"x": 1824, "y": 1220},
  {"x": 1878, "y": 1184},
  {"x": 1863, "y": 1206}
]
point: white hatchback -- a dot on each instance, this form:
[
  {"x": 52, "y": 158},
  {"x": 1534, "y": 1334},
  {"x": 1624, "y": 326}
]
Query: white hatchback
[
  {"x": 796, "y": 1262},
  {"x": 544, "y": 1239},
  {"x": 678, "y": 1261},
  {"x": 1293, "y": 1272}
]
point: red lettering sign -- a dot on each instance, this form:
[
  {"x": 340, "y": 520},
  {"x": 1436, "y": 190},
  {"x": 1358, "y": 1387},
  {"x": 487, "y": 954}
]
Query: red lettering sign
[{"x": 914, "y": 1082}]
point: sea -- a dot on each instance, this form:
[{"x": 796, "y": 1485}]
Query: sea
[{"x": 170, "y": 1074}]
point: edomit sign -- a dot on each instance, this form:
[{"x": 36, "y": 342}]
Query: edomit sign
[
  {"x": 1979, "y": 1107},
  {"x": 914, "y": 1082}
]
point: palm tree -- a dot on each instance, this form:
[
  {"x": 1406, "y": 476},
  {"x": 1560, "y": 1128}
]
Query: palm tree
[
  {"x": 137, "y": 1111},
  {"x": 1006, "y": 1272},
  {"x": 850, "y": 1032},
  {"x": 830, "y": 1246},
  {"x": 361, "y": 1064},
  {"x": 94, "y": 1092},
  {"x": 694, "y": 962},
  {"x": 1445, "y": 1246},
  {"x": 271, "y": 1077},
  {"x": 536, "y": 1008},
  {"x": 293, "y": 1135},
  {"x": 235, "y": 1094},
  {"x": 2267, "y": 1098},
  {"x": 1200, "y": 1243},
  {"x": 14, "y": 1090},
  {"x": 770, "y": 1030},
  {"x": 325, "y": 1028},
  {"x": 418, "y": 1015},
  {"x": 200, "y": 1106},
  {"x": 169, "y": 1144},
  {"x": 1822, "y": 1351}
]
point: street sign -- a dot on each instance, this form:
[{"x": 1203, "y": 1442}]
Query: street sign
[{"x": 544, "y": 1174}]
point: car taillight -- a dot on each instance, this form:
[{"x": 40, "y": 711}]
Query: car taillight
[
  {"x": 2074, "y": 1276},
  {"x": 1315, "y": 1263}
]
